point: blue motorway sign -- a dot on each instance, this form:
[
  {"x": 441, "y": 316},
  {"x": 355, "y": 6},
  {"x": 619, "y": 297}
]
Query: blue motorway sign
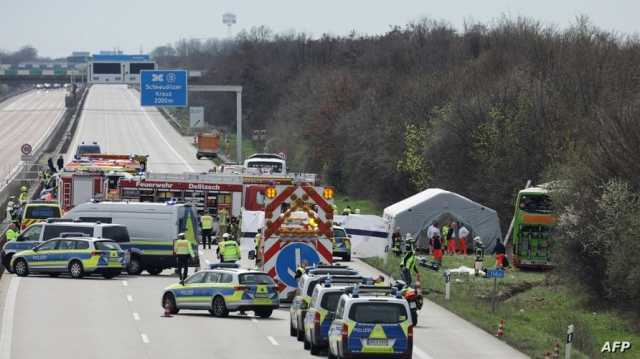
[
  {"x": 163, "y": 88},
  {"x": 290, "y": 258},
  {"x": 495, "y": 273}
]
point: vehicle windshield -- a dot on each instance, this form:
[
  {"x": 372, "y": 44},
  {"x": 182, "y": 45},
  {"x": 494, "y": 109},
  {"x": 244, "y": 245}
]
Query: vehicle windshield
[
  {"x": 378, "y": 313},
  {"x": 42, "y": 212},
  {"x": 274, "y": 167},
  {"x": 116, "y": 233},
  {"x": 535, "y": 203},
  {"x": 330, "y": 301},
  {"x": 107, "y": 246},
  {"x": 85, "y": 149},
  {"x": 255, "y": 278}
]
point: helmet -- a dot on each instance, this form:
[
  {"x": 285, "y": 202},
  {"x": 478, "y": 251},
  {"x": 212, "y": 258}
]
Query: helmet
[
  {"x": 226, "y": 235},
  {"x": 23, "y": 189}
]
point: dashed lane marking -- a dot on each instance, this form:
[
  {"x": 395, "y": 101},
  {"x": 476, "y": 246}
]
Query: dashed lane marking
[
  {"x": 124, "y": 283},
  {"x": 272, "y": 340},
  {"x": 136, "y": 316},
  {"x": 254, "y": 320},
  {"x": 130, "y": 297},
  {"x": 145, "y": 338}
]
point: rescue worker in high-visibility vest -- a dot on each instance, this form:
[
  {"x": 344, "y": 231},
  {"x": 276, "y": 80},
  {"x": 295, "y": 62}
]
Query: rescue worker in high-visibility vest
[
  {"x": 12, "y": 233},
  {"x": 183, "y": 252},
  {"x": 24, "y": 194},
  {"x": 409, "y": 265},
  {"x": 206, "y": 223},
  {"x": 223, "y": 219},
  {"x": 228, "y": 250}
]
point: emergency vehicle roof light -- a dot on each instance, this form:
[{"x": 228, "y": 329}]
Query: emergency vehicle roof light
[
  {"x": 271, "y": 192},
  {"x": 327, "y": 193}
]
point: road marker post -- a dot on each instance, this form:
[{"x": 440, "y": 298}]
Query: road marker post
[
  {"x": 500, "y": 332},
  {"x": 567, "y": 346},
  {"x": 447, "y": 285}
]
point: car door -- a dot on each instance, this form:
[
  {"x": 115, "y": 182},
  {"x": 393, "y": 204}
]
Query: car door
[
  {"x": 26, "y": 240},
  {"x": 62, "y": 254},
  {"x": 43, "y": 258},
  {"x": 335, "y": 330},
  {"x": 187, "y": 296}
]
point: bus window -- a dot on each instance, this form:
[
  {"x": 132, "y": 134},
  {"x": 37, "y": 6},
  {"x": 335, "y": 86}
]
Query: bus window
[{"x": 535, "y": 204}]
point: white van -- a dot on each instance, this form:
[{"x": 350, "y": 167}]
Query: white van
[{"x": 152, "y": 227}]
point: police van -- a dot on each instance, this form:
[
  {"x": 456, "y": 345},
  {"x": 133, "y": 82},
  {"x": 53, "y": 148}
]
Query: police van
[
  {"x": 320, "y": 314},
  {"x": 40, "y": 232},
  {"x": 153, "y": 227},
  {"x": 371, "y": 325}
]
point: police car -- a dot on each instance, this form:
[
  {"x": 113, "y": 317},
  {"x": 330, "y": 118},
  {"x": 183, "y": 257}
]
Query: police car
[
  {"x": 76, "y": 256},
  {"x": 53, "y": 228},
  {"x": 224, "y": 290},
  {"x": 320, "y": 314},
  {"x": 306, "y": 285},
  {"x": 341, "y": 243},
  {"x": 370, "y": 325}
]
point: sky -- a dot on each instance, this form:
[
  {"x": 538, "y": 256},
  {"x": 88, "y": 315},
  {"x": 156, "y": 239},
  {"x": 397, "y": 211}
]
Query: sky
[{"x": 58, "y": 27}]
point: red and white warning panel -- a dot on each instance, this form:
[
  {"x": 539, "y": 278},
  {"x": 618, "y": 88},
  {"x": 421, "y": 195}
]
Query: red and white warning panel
[{"x": 298, "y": 231}]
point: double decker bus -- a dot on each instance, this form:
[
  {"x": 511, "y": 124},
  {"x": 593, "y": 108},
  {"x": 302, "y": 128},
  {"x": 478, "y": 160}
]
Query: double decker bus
[{"x": 534, "y": 219}]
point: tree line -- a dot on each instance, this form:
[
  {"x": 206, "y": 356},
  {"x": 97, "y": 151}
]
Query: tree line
[{"x": 478, "y": 112}]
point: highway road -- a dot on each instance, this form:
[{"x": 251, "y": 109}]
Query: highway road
[
  {"x": 112, "y": 116},
  {"x": 27, "y": 118},
  {"x": 61, "y": 318}
]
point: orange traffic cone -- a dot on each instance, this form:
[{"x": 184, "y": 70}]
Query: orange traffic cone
[
  {"x": 167, "y": 310},
  {"x": 556, "y": 351},
  {"x": 500, "y": 332}
]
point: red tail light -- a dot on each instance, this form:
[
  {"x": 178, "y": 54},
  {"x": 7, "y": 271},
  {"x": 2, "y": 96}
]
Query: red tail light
[
  {"x": 96, "y": 253},
  {"x": 345, "y": 333},
  {"x": 410, "y": 332},
  {"x": 240, "y": 287},
  {"x": 316, "y": 319},
  {"x": 410, "y": 338}
]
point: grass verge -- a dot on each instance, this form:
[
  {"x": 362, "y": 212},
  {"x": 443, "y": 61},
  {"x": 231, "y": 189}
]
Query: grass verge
[
  {"x": 536, "y": 309},
  {"x": 365, "y": 206}
]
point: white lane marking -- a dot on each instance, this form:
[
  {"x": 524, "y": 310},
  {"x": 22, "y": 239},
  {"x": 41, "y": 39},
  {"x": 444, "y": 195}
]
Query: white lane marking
[
  {"x": 272, "y": 340},
  {"x": 417, "y": 352},
  {"x": 124, "y": 283},
  {"x": 130, "y": 297},
  {"x": 162, "y": 137},
  {"x": 145, "y": 338},
  {"x": 254, "y": 320},
  {"x": 136, "y": 316},
  {"x": 7, "y": 319}
]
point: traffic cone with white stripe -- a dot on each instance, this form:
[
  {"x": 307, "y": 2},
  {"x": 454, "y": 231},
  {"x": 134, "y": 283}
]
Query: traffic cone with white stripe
[
  {"x": 500, "y": 332},
  {"x": 556, "y": 351}
]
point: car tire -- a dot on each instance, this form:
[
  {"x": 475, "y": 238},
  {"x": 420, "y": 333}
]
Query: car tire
[
  {"x": 76, "y": 270},
  {"x": 305, "y": 343},
  {"x": 135, "y": 266},
  {"x": 313, "y": 349},
  {"x": 7, "y": 263},
  {"x": 264, "y": 313},
  {"x": 154, "y": 270},
  {"x": 21, "y": 268},
  {"x": 109, "y": 275},
  {"x": 171, "y": 301},
  {"x": 414, "y": 317},
  {"x": 219, "y": 307},
  {"x": 300, "y": 332},
  {"x": 292, "y": 330},
  {"x": 54, "y": 275}
]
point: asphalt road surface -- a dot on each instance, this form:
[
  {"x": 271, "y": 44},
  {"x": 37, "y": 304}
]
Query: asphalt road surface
[
  {"x": 61, "y": 318},
  {"x": 27, "y": 118},
  {"x": 113, "y": 118}
]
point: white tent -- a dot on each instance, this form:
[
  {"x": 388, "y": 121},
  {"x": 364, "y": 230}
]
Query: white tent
[{"x": 416, "y": 213}]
